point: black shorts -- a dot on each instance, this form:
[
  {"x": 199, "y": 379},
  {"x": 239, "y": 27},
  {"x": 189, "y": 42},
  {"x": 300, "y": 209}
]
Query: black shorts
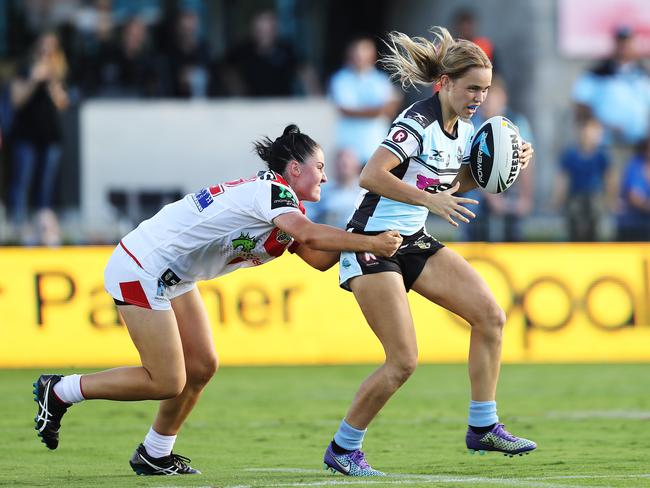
[{"x": 409, "y": 260}]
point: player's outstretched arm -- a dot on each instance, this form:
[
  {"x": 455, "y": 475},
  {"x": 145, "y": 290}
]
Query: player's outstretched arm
[
  {"x": 326, "y": 238},
  {"x": 320, "y": 260}
]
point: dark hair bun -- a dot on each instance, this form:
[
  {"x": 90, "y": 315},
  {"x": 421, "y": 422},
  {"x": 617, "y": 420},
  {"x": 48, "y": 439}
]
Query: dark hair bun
[
  {"x": 291, "y": 145},
  {"x": 291, "y": 129}
]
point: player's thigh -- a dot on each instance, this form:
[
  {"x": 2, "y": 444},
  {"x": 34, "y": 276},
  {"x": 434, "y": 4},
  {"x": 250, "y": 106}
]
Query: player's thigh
[
  {"x": 155, "y": 335},
  {"x": 383, "y": 301},
  {"x": 448, "y": 280},
  {"x": 196, "y": 333}
]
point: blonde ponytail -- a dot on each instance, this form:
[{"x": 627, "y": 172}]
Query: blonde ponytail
[{"x": 419, "y": 61}]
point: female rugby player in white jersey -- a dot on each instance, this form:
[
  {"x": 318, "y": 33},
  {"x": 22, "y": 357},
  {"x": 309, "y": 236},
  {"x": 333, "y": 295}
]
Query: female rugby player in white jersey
[
  {"x": 416, "y": 170},
  {"x": 152, "y": 277}
]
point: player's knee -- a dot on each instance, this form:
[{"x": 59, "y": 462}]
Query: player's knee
[
  {"x": 496, "y": 317},
  {"x": 169, "y": 387},
  {"x": 402, "y": 369},
  {"x": 491, "y": 320},
  {"x": 201, "y": 371}
]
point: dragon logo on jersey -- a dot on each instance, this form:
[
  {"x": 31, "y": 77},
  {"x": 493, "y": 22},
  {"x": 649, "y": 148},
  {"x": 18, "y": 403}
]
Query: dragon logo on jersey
[
  {"x": 245, "y": 242},
  {"x": 282, "y": 197}
]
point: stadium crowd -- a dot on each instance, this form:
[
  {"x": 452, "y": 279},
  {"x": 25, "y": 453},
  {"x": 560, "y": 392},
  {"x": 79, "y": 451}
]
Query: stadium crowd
[{"x": 55, "y": 55}]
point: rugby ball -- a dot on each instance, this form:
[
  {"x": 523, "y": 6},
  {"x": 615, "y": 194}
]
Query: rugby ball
[{"x": 494, "y": 156}]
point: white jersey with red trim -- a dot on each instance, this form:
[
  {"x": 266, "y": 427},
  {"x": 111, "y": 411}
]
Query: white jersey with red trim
[{"x": 215, "y": 230}]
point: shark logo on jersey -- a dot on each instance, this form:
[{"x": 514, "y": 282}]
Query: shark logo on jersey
[
  {"x": 245, "y": 242},
  {"x": 281, "y": 196}
]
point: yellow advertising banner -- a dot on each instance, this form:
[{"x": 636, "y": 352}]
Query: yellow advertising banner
[{"x": 565, "y": 303}]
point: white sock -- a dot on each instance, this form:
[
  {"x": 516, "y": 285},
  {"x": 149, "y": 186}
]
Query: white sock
[
  {"x": 158, "y": 445},
  {"x": 69, "y": 389}
]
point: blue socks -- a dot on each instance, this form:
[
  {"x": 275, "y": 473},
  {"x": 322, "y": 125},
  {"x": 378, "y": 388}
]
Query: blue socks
[
  {"x": 348, "y": 437},
  {"x": 482, "y": 414}
]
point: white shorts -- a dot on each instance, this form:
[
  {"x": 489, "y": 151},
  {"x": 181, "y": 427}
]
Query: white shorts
[{"x": 126, "y": 281}]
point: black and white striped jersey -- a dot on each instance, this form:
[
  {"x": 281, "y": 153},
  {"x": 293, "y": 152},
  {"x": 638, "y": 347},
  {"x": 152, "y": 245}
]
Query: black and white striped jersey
[{"x": 430, "y": 158}]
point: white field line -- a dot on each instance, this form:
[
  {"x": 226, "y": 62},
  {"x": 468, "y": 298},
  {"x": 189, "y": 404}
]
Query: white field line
[
  {"x": 411, "y": 479},
  {"x": 408, "y": 479}
]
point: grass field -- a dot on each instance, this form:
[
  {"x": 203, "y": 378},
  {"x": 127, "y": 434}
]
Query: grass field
[{"x": 269, "y": 427}]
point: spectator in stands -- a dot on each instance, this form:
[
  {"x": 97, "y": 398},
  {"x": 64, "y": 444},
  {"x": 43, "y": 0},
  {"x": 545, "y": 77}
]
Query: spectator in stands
[
  {"x": 339, "y": 195},
  {"x": 38, "y": 96},
  {"x": 617, "y": 92},
  {"x": 634, "y": 217},
  {"x": 266, "y": 65},
  {"x": 188, "y": 58},
  {"x": 128, "y": 69},
  {"x": 584, "y": 171},
  {"x": 465, "y": 22},
  {"x": 499, "y": 217},
  {"x": 365, "y": 98}
]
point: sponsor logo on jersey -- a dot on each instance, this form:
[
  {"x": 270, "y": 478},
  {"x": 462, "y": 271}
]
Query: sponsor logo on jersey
[
  {"x": 423, "y": 182},
  {"x": 431, "y": 185},
  {"x": 281, "y": 196},
  {"x": 160, "y": 292},
  {"x": 437, "y": 155},
  {"x": 346, "y": 263},
  {"x": 276, "y": 243},
  {"x": 202, "y": 199},
  {"x": 367, "y": 258},
  {"x": 422, "y": 243},
  {"x": 418, "y": 117},
  {"x": 283, "y": 237},
  {"x": 245, "y": 242},
  {"x": 400, "y": 136},
  {"x": 459, "y": 155},
  {"x": 170, "y": 278}
]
